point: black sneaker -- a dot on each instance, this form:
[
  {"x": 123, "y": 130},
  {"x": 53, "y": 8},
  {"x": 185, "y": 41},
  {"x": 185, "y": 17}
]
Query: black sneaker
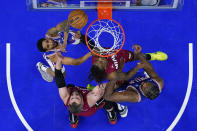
[
  {"x": 112, "y": 117},
  {"x": 73, "y": 120}
]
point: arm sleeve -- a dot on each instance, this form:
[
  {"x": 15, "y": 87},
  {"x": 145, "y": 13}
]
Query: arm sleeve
[{"x": 59, "y": 78}]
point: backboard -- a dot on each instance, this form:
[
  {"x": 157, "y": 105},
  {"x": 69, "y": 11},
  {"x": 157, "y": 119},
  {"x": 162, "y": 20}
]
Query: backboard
[{"x": 92, "y": 4}]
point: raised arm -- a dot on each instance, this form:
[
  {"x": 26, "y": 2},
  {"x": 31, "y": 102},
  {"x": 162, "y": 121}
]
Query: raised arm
[
  {"x": 62, "y": 26},
  {"x": 60, "y": 82},
  {"x": 150, "y": 70},
  {"x": 123, "y": 96},
  {"x": 124, "y": 76},
  {"x": 65, "y": 40},
  {"x": 69, "y": 60},
  {"x": 147, "y": 66},
  {"x": 72, "y": 61},
  {"x": 65, "y": 27}
]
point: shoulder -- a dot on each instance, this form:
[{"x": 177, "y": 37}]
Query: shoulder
[
  {"x": 136, "y": 96},
  {"x": 160, "y": 82}
]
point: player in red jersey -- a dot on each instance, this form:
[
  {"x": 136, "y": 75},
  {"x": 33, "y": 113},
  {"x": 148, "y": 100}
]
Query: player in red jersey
[
  {"x": 111, "y": 67},
  {"x": 83, "y": 102}
]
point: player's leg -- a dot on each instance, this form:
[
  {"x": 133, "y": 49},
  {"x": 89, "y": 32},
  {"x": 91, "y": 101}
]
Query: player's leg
[
  {"x": 51, "y": 72},
  {"x": 130, "y": 56},
  {"x": 112, "y": 108},
  {"x": 161, "y": 56},
  {"x": 47, "y": 72}
]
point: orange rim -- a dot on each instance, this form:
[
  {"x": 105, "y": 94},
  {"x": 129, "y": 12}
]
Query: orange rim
[{"x": 100, "y": 54}]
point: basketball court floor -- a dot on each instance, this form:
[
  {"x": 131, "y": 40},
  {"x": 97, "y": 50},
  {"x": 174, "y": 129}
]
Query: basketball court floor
[{"x": 30, "y": 103}]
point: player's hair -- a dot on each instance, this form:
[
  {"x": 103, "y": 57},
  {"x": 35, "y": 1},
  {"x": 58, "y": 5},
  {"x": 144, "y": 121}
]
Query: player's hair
[
  {"x": 97, "y": 74},
  {"x": 39, "y": 45},
  {"x": 75, "y": 108},
  {"x": 152, "y": 92}
]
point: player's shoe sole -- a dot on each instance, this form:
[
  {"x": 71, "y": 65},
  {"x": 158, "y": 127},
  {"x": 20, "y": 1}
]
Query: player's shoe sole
[
  {"x": 123, "y": 110},
  {"x": 74, "y": 120},
  {"x": 161, "y": 56},
  {"x": 47, "y": 77},
  {"x": 112, "y": 117}
]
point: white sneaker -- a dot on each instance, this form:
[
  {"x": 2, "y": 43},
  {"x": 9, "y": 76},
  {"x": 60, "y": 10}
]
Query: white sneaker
[
  {"x": 123, "y": 110},
  {"x": 47, "y": 77}
]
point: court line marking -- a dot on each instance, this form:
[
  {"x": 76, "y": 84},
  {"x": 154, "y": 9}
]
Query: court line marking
[
  {"x": 10, "y": 89},
  {"x": 175, "y": 3},
  {"x": 189, "y": 87}
]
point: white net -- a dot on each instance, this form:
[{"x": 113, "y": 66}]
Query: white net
[{"x": 105, "y": 26}]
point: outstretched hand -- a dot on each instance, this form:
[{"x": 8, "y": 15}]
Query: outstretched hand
[{"x": 137, "y": 48}]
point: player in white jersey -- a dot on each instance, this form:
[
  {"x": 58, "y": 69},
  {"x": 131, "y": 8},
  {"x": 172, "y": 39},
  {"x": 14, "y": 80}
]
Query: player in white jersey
[{"x": 57, "y": 39}]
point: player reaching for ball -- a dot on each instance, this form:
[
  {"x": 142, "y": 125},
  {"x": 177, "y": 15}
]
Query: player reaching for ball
[
  {"x": 66, "y": 32},
  {"x": 57, "y": 38}
]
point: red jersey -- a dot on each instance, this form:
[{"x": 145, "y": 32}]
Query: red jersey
[
  {"x": 86, "y": 110},
  {"x": 114, "y": 61}
]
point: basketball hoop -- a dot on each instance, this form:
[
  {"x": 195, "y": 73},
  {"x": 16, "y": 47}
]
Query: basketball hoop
[
  {"x": 94, "y": 31},
  {"x": 104, "y": 24}
]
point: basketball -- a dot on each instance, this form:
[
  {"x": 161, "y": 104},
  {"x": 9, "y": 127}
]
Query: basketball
[{"x": 78, "y": 19}]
